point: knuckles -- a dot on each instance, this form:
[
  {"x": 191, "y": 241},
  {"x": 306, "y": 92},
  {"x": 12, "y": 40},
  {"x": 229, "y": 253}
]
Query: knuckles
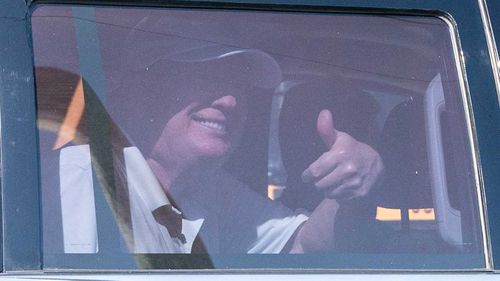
[
  {"x": 347, "y": 170},
  {"x": 351, "y": 169},
  {"x": 357, "y": 182},
  {"x": 315, "y": 171},
  {"x": 360, "y": 192}
]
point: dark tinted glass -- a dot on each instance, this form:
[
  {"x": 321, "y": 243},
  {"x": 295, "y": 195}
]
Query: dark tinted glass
[{"x": 191, "y": 138}]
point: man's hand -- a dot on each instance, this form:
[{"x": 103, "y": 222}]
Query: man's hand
[{"x": 348, "y": 169}]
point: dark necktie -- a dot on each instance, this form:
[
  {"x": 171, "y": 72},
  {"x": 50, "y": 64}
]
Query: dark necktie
[{"x": 172, "y": 220}]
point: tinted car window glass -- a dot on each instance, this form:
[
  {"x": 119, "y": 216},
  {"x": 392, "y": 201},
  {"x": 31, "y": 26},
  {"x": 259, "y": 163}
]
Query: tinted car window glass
[{"x": 194, "y": 138}]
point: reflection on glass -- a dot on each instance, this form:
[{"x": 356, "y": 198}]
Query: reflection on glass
[{"x": 204, "y": 114}]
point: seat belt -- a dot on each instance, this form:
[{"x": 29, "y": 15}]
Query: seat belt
[{"x": 111, "y": 193}]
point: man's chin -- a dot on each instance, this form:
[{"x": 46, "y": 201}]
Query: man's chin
[{"x": 214, "y": 155}]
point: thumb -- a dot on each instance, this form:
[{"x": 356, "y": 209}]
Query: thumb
[{"x": 325, "y": 128}]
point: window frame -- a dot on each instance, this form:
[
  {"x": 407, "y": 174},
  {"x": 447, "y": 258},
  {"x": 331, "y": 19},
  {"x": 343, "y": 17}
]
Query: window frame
[
  {"x": 20, "y": 181},
  {"x": 491, "y": 24}
]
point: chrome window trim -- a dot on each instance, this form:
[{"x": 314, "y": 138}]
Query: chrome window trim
[
  {"x": 492, "y": 47},
  {"x": 472, "y": 135}
]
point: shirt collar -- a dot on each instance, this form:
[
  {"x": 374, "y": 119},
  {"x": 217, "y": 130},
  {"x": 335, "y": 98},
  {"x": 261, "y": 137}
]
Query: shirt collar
[{"x": 140, "y": 177}]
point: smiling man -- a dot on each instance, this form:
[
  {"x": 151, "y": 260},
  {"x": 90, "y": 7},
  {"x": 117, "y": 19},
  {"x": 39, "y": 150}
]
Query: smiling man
[
  {"x": 181, "y": 198},
  {"x": 195, "y": 105}
]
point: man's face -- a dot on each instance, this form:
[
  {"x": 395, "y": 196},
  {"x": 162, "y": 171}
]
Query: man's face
[{"x": 205, "y": 128}]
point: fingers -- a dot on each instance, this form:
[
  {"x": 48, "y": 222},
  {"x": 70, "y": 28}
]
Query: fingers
[
  {"x": 355, "y": 186},
  {"x": 326, "y": 129},
  {"x": 323, "y": 166},
  {"x": 347, "y": 170},
  {"x": 351, "y": 188},
  {"x": 337, "y": 178},
  {"x": 342, "y": 182},
  {"x": 327, "y": 162},
  {"x": 339, "y": 154}
]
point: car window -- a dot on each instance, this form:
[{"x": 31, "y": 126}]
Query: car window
[{"x": 234, "y": 138}]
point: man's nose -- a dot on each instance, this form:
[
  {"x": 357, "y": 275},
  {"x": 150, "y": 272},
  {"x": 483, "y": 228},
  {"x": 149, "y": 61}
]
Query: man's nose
[{"x": 227, "y": 103}]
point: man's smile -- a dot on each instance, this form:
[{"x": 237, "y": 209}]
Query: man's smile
[
  {"x": 211, "y": 124},
  {"x": 212, "y": 119}
]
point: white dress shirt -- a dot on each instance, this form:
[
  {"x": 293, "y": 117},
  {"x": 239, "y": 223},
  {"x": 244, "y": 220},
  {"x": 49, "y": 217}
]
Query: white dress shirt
[
  {"x": 146, "y": 195},
  {"x": 228, "y": 216}
]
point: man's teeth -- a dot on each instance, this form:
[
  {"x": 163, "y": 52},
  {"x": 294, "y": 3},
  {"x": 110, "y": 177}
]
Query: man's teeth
[{"x": 213, "y": 125}]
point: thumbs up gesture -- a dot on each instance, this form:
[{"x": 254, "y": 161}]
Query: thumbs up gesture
[{"x": 348, "y": 169}]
